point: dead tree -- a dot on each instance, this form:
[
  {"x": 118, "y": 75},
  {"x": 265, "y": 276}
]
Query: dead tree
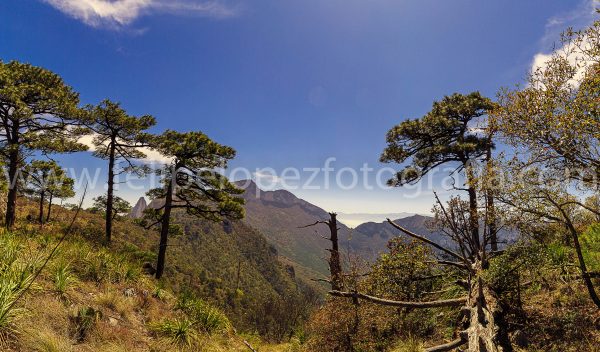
[
  {"x": 335, "y": 264},
  {"x": 483, "y": 325}
]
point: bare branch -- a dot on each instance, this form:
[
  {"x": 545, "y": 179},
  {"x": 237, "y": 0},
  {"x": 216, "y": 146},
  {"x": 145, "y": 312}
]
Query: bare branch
[
  {"x": 450, "y": 345},
  {"x": 313, "y": 224},
  {"x": 428, "y": 241},
  {"x": 455, "y": 302}
]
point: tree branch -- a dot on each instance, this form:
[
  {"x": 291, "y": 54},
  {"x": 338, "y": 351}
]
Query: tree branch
[
  {"x": 428, "y": 241},
  {"x": 455, "y": 302}
]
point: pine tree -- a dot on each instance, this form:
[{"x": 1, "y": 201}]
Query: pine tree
[
  {"x": 117, "y": 137},
  {"x": 38, "y": 112},
  {"x": 191, "y": 182},
  {"x": 63, "y": 190},
  {"x": 45, "y": 178}
]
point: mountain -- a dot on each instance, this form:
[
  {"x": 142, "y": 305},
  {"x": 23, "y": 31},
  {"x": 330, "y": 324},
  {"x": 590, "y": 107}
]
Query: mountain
[
  {"x": 355, "y": 219},
  {"x": 279, "y": 214},
  {"x": 138, "y": 209},
  {"x": 280, "y": 217},
  {"x": 383, "y": 231}
]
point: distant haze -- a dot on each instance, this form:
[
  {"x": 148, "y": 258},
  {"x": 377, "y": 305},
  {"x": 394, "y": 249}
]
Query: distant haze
[{"x": 355, "y": 219}]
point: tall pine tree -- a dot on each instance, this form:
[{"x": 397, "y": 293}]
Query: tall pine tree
[
  {"x": 118, "y": 137},
  {"x": 38, "y": 113},
  {"x": 191, "y": 182}
]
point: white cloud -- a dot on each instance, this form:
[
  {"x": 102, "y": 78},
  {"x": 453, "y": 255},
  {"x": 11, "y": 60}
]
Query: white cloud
[
  {"x": 582, "y": 16},
  {"x": 119, "y": 13},
  {"x": 152, "y": 156}
]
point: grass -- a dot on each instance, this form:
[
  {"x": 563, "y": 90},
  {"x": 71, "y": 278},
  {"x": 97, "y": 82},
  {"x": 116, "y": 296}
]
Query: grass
[
  {"x": 180, "y": 332},
  {"x": 16, "y": 270},
  {"x": 206, "y": 317},
  {"x": 63, "y": 278}
]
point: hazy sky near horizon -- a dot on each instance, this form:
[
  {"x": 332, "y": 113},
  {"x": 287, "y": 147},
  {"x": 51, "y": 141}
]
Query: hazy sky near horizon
[{"x": 288, "y": 84}]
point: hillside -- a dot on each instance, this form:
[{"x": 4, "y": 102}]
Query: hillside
[{"x": 93, "y": 298}]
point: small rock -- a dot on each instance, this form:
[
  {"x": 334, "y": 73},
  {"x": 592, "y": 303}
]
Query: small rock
[
  {"x": 129, "y": 292},
  {"x": 112, "y": 321}
]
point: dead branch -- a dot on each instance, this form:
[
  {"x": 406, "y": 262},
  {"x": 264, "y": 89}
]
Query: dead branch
[
  {"x": 386, "y": 302},
  {"x": 428, "y": 241},
  {"x": 450, "y": 345}
]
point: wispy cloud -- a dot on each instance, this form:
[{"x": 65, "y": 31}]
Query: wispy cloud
[
  {"x": 117, "y": 14},
  {"x": 581, "y": 16},
  {"x": 152, "y": 156}
]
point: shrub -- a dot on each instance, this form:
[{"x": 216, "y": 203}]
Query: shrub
[
  {"x": 63, "y": 278},
  {"x": 179, "y": 332},
  {"x": 84, "y": 321},
  {"x": 206, "y": 317}
]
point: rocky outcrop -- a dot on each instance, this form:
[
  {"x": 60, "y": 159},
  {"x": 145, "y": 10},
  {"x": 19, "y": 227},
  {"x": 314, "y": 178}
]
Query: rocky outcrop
[{"x": 138, "y": 210}]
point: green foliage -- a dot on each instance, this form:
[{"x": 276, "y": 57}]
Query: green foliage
[
  {"x": 396, "y": 274},
  {"x": 38, "y": 112},
  {"x": 504, "y": 271},
  {"x": 121, "y": 207},
  {"x": 117, "y": 135},
  {"x": 590, "y": 242},
  {"x": 199, "y": 189},
  {"x": 204, "y": 316},
  {"x": 180, "y": 332},
  {"x": 16, "y": 271},
  {"x": 63, "y": 277},
  {"x": 443, "y": 135}
]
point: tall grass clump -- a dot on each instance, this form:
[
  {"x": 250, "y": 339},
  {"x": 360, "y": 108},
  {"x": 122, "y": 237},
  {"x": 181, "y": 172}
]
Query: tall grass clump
[
  {"x": 180, "y": 332},
  {"x": 63, "y": 278},
  {"x": 205, "y": 317},
  {"x": 16, "y": 272}
]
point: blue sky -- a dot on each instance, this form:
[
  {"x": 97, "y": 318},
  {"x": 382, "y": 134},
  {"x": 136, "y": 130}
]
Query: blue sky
[{"x": 286, "y": 83}]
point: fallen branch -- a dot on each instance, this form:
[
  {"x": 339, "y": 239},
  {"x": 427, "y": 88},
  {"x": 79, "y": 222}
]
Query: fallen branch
[
  {"x": 448, "y": 346},
  {"x": 455, "y": 302},
  {"x": 249, "y": 346}
]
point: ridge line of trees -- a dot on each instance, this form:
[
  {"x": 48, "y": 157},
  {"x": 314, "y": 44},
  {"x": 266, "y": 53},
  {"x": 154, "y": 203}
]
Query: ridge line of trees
[{"x": 40, "y": 116}]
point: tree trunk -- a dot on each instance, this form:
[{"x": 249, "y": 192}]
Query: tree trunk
[
  {"x": 492, "y": 226},
  {"x": 110, "y": 191},
  {"x": 49, "y": 207},
  {"x": 41, "y": 213},
  {"x": 491, "y": 209},
  {"x": 164, "y": 231},
  {"x": 335, "y": 265},
  {"x": 473, "y": 212},
  {"x": 487, "y": 331},
  {"x": 584, "y": 273},
  {"x": 11, "y": 202}
]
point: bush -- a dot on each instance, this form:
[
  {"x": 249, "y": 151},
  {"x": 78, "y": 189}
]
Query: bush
[
  {"x": 205, "y": 317},
  {"x": 179, "y": 332},
  {"x": 63, "y": 278}
]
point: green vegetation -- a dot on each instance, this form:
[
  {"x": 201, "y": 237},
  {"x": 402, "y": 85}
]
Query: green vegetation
[{"x": 519, "y": 266}]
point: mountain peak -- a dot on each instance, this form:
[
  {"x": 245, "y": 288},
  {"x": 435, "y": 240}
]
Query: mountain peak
[{"x": 138, "y": 209}]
